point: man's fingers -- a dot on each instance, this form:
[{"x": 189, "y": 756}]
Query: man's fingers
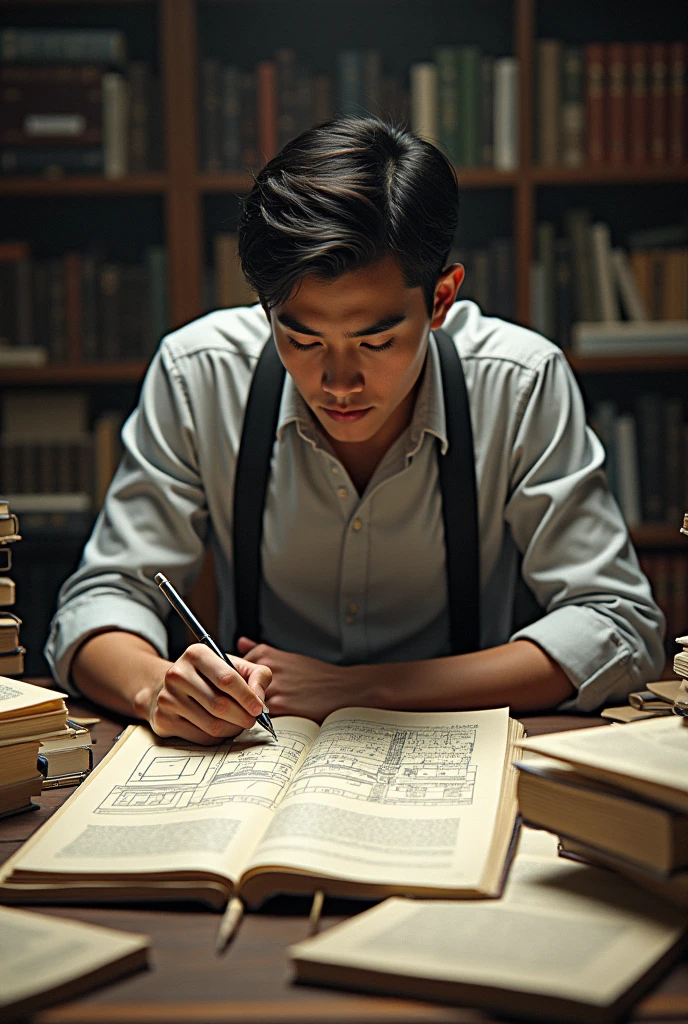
[
  {"x": 222, "y": 676},
  {"x": 213, "y": 725},
  {"x": 185, "y": 730}
]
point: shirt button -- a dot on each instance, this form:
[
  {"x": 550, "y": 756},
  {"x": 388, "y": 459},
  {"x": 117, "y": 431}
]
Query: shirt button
[
  {"x": 357, "y": 525},
  {"x": 342, "y": 492}
]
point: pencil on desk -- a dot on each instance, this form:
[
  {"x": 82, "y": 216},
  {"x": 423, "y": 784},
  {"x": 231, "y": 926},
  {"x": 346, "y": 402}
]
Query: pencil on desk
[
  {"x": 316, "y": 910},
  {"x": 229, "y": 923}
]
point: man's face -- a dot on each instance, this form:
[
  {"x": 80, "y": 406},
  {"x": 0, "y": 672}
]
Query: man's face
[{"x": 355, "y": 348}]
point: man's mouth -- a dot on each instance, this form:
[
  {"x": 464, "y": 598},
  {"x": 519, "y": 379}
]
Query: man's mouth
[{"x": 346, "y": 415}]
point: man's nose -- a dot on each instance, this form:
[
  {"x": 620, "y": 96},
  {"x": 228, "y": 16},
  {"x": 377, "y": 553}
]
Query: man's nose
[{"x": 341, "y": 377}]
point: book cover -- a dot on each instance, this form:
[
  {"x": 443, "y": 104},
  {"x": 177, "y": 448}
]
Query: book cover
[
  {"x": 617, "y": 102},
  {"x": 595, "y": 121},
  {"x": 658, "y": 73},
  {"x": 638, "y": 104},
  {"x": 549, "y": 70},
  {"x": 677, "y": 102},
  {"x": 572, "y": 108}
]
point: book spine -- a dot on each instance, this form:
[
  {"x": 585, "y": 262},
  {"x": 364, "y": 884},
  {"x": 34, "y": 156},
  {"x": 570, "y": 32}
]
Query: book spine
[
  {"x": 115, "y": 124},
  {"x": 24, "y": 300},
  {"x": 651, "y": 449},
  {"x": 469, "y": 104},
  {"x": 627, "y": 467},
  {"x": 210, "y": 115},
  {"x": 72, "y": 272},
  {"x": 658, "y": 103},
  {"x": 62, "y": 46},
  {"x": 506, "y": 140},
  {"x": 51, "y": 162},
  {"x": 48, "y": 105},
  {"x": 563, "y": 304},
  {"x": 156, "y": 261},
  {"x": 486, "y": 110},
  {"x": 594, "y": 103},
  {"x": 231, "y": 119},
  {"x": 675, "y": 291},
  {"x": 57, "y": 336},
  {"x": 249, "y": 125},
  {"x": 549, "y": 101},
  {"x": 638, "y": 105},
  {"x": 545, "y": 251},
  {"x": 673, "y": 432},
  {"x": 502, "y": 283},
  {"x": 266, "y": 93},
  {"x": 603, "y": 273},
  {"x": 89, "y": 307},
  {"x": 617, "y": 102},
  {"x": 677, "y": 103},
  {"x": 424, "y": 101},
  {"x": 285, "y": 99},
  {"x": 629, "y": 293},
  {"x": 572, "y": 108},
  {"x": 641, "y": 269},
  {"x": 110, "y": 311},
  {"x": 448, "y": 102},
  {"x": 577, "y": 227},
  {"x": 139, "y": 154}
]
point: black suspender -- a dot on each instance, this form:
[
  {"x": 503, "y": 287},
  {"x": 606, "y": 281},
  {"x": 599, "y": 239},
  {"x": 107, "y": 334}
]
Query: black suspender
[{"x": 457, "y": 482}]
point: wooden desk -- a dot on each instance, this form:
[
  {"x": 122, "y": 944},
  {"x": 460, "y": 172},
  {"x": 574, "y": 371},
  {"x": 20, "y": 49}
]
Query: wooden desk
[{"x": 250, "y": 982}]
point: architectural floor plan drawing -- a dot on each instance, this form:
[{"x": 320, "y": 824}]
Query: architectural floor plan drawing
[
  {"x": 425, "y": 765},
  {"x": 191, "y": 777}
]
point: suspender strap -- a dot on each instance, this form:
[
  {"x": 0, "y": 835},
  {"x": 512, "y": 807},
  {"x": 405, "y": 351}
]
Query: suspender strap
[
  {"x": 250, "y": 487},
  {"x": 457, "y": 482},
  {"x": 459, "y": 504}
]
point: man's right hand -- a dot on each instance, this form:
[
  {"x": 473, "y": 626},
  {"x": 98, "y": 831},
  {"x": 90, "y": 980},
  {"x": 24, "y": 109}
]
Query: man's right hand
[{"x": 202, "y": 700}]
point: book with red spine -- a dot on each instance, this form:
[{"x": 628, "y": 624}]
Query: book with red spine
[
  {"x": 594, "y": 103},
  {"x": 638, "y": 104},
  {"x": 617, "y": 102},
  {"x": 676, "y": 114},
  {"x": 658, "y": 102},
  {"x": 266, "y": 94}
]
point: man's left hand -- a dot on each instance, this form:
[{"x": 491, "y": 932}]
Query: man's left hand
[{"x": 303, "y": 686}]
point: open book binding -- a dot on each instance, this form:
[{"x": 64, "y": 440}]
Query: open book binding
[{"x": 371, "y": 804}]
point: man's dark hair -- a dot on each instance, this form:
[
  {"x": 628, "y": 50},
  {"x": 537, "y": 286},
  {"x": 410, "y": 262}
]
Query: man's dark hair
[{"x": 342, "y": 196}]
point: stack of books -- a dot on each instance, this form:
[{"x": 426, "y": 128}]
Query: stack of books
[
  {"x": 11, "y": 652},
  {"x": 66, "y": 759},
  {"x": 28, "y": 715},
  {"x": 616, "y": 796}
]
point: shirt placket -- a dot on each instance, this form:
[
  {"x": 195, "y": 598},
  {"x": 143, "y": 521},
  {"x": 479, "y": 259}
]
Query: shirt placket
[{"x": 352, "y": 597}]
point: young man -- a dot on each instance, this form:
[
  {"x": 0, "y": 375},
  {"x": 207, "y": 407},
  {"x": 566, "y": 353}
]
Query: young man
[{"x": 345, "y": 238}]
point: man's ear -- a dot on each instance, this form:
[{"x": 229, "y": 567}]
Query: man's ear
[{"x": 446, "y": 290}]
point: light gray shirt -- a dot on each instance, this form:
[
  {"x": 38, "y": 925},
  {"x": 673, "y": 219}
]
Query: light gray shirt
[{"x": 355, "y": 579}]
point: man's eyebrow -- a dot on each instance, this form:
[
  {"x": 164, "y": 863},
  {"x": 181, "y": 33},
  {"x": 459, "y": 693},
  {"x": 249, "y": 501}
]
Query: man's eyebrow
[{"x": 385, "y": 323}]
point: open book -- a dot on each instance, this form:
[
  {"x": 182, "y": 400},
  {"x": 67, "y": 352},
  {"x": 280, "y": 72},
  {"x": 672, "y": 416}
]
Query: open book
[
  {"x": 372, "y": 803},
  {"x": 565, "y": 943}
]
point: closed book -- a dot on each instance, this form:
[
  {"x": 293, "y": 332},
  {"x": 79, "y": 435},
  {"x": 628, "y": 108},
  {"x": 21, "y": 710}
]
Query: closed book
[
  {"x": 51, "y": 161},
  {"x": 563, "y": 287},
  {"x": 604, "y": 280},
  {"x": 549, "y": 61},
  {"x": 486, "y": 110},
  {"x": 627, "y": 469},
  {"x": 110, "y": 312},
  {"x": 424, "y": 101},
  {"x": 156, "y": 262},
  {"x": 73, "y": 306},
  {"x": 638, "y": 104},
  {"x": 16, "y": 796},
  {"x": 16, "y": 327},
  {"x": 115, "y": 125},
  {"x": 211, "y": 115},
  {"x": 5, "y": 559},
  {"x": 577, "y": 223},
  {"x": 107, "y": 451},
  {"x": 63, "y": 46},
  {"x": 90, "y": 318},
  {"x": 68, "y": 754},
  {"x": 231, "y": 118},
  {"x": 675, "y": 284},
  {"x": 506, "y": 113},
  {"x": 12, "y": 663},
  {"x": 9, "y": 526},
  {"x": 57, "y": 339},
  {"x": 140, "y": 157},
  {"x": 9, "y": 632},
  {"x": 51, "y": 105},
  {"x": 651, "y": 449},
  {"x": 595, "y": 121},
  {"x": 284, "y": 106},
  {"x": 8, "y": 591},
  {"x": 674, "y": 412},
  {"x": 135, "y": 313},
  {"x": 603, "y": 420},
  {"x": 572, "y": 128},
  {"x": 554, "y": 796},
  {"x": 469, "y": 106},
  {"x": 448, "y": 102},
  {"x": 267, "y": 100},
  {"x": 350, "y": 789},
  {"x": 567, "y": 942},
  {"x": 676, "y": 128},
  {"x": 660, "y": 337},
  {"x": 545, "y": 255},
  {"x": 617, "y": 103},
  {"x": 250, "y": 159},
  {"x": 629, "y": 293},
  {"x": 673, "y": 890},
  {"x": 657, "y": 91},
  {"x": 642, "y": 274}
]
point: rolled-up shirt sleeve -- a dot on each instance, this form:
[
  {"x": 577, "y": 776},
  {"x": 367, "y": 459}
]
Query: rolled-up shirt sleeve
[
  {"x": 601, "y": 625},
  {"x": 154, "y": 519}
]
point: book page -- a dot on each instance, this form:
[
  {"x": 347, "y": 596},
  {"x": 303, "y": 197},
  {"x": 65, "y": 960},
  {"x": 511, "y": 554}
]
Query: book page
[
  {"x": 165, "y": 805},
  {"x": 16, "y": 698},
  {"x": 39, "y": 954},
  {"x": 653, "y": 752},
  {"x": 391, "y": 797},
  {"x": 560, "y": 930}
]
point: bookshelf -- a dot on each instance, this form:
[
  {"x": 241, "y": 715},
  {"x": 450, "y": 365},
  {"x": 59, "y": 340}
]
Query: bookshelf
[{"x": 175, "y": 34}]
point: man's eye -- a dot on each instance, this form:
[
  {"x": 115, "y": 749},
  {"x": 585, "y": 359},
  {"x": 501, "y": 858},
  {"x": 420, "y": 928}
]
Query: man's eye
[
  {"x": 381, "y": 348},
  {"x": 299, "y": 347}
]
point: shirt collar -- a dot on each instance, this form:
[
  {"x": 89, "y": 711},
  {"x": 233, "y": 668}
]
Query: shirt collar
[{"x": 428, "y": 414}]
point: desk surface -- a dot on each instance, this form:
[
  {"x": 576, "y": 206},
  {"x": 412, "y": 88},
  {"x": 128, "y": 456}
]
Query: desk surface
[{"x": 251, "y": 982}]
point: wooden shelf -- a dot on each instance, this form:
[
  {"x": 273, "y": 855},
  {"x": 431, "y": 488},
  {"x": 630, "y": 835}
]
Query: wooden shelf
[
  {"x": 469, "y": 178},
  {"x": 84, "y": 184},
  {"x": 130, "y": 372},
  {"x": 626, "y": 175},
  {"x": 657, "y": 535},
  {"x": 628, "y": 364}
]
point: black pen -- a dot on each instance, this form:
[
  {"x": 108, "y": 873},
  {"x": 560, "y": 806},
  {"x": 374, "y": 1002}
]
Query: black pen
[{"x": 204, "y": 637}]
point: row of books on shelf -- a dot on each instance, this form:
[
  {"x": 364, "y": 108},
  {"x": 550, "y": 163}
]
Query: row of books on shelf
[
  {"x": 81, "y": 307},
  {"x": 464, "y": 100},
  {"x": 668, "y": 576},
  {"x": 614, "y": 104},
  {"x": 11, "y": 651},
  {"x": 70, "y": 103},
  {"x": 52, "y": 461},
  {"x": 647, "y": 456},
  {"x": 602, "y": 299}
]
